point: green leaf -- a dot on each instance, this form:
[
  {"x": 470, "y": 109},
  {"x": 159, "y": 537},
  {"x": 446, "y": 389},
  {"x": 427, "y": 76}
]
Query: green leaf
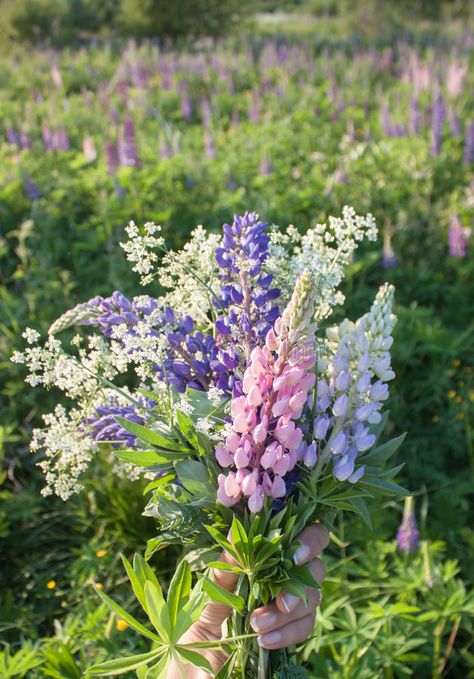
[
  {"x": 361, "y": 508},
  {"x": 224, "y": 566},
  {"x": 149, "y": 435},
  {"x": 158, "y": 483},
  {"x": 194, "y": 476},
  {"x": 226, "y": 670},
  {"x": 202, "y": 406},
  {"x": 179, "y": 590},
  {"x": 304, "y": 575},
  {"x": 296, "y": 588},
  {"x": 130, "y": 620},
  {"x": 146, "y": 458},
  {"x": 137, "y": 586},
  {"x": 240, "y": 539},
  {"x": 160, "y": 670},
  {"x": 383, "y": 487},
  {"x": 144, "y": 571},
  {"x": 194, "y": 658},
  {"x": 122, "y": 665},
  {"x": 380, "y": 455},
  {"x": 158, "y": 610},
  {"x": 218, "y": 593},
  {"x": 223, "y": 542},
  {"x": 186, "y": 426}
]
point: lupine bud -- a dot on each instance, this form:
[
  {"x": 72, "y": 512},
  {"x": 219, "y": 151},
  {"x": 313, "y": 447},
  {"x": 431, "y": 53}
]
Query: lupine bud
[{"x": 408, "y": 536}]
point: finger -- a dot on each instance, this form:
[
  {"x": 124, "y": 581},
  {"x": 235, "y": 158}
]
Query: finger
[
  {"x": 293, "y": 633},
  {"x": 287, "y": 602},
  {"x": 215, "y": 613},
  {"x": 269, "y": 618},
  {"x": 313, "y": 540}
]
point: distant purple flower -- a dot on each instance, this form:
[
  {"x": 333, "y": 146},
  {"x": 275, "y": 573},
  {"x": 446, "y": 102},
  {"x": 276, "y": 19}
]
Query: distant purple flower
[
  {"x": 165, "y": 150},
  {"x": 389, "y": 259},
  {"x": 265, "y": 168},
  {"x": 88, "y": 148},
  {"x": 31, "y": 188},
  {"x": 437, "y": 122},
  {"x": 12, "y": 136},
  {"x": 56, "y": 76},
  {"x": 127, "y": 148},
  {"x": 111, "y": 156},
  {"x": 469, "y": 144},
  {"x": 254, "y": 108},
  {"x": 454, "y": 124},
  {"x": 408, "y": 535},
  {"x": 61, "y": 139},
  {"x": 25, "y": 140},
  {"x": 206, "y": 111},
  {"x": 457, "y": 239},
  {"x": 48, "y": 141},
  {"x": 187, "y": 107},
  {"x": 386, "y": 120},
  {"x": 231, "y": 183}
]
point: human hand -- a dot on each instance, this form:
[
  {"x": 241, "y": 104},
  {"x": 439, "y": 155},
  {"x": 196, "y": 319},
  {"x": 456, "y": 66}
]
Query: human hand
[{"x": 284, "y": 622}]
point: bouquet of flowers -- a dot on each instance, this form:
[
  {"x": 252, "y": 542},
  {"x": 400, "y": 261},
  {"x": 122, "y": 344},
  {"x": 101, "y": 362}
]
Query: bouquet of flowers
[{"x": 248, "y": 412}]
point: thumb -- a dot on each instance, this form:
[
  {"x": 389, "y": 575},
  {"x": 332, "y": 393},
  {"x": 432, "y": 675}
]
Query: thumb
[{"x": 215, "y": 613}]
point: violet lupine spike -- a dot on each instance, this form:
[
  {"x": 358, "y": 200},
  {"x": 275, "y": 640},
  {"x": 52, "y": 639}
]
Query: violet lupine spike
[
  {"x": 13, "y": 137},
  {"x": 415, "y": 116},
  {"x": 408, "y": 535},
  {"x": 266, "y": 442},
  {"x": 103, "y": 425},
  {"x": 469, "y": 144},
  {"x": 245, "y": 292},
  {"x": 457, "y": 239},
  {"x": 111, "y": 156},
  {"x": 48, "y": 141},
  {"x": 128, "y": 154},
  {"x": 437, "y": 122},
  {"x": 31, "y": 188}
]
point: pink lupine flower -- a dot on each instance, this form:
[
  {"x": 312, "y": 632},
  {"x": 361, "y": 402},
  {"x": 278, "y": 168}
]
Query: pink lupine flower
[{"x": 267, "y": 441}]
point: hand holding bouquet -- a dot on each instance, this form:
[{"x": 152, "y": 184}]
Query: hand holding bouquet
[{"x": 250, "y": 415}]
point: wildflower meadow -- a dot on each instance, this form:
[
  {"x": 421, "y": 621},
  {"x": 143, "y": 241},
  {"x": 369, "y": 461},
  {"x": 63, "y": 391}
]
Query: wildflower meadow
[{"x": 236, "y": 301}]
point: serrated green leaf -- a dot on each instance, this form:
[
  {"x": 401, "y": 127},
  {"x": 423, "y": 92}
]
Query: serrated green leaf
[
  {"x": 222, "y": 596},
  {"x": 122, "y": 665},
  {"x": 130, "y": 620}
]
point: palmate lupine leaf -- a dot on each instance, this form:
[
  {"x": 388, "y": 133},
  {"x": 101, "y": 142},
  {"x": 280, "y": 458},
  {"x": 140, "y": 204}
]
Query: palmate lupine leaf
[
  {"x": 150, "y": 436},
  {"x": 171, "y": 618}
]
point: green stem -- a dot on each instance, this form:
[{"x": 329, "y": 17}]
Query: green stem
[{"x": 263, "y": 663}]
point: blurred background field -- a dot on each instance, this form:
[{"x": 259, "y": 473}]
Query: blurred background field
[{"x": 184, "y": 113}]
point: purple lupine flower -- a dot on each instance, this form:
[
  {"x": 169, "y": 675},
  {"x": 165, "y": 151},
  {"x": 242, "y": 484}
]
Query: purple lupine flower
[
  {"x": 469, "y": 144},
  {"x": 165, "y": 150},
  {"x": 12, "y": 136},
  {"x": 127, "y": 147},
  {"x": 103, "y": 426},
  {"x": 386, "y": 120},
  {"x": 231, "y": 183},
  {"x": 246, "y": 296},
  {"x": 25, "y": 140},
  {"x": 408, "y": 535},
  {"x": 192, "y": 360},
  {"x": 48, "y": 141},
  {"x": 111, "y": 156},
  {"x": 61, "y": 139},
  {"x": 31, "y": 188},
  {"x": 437, "y": 122},
  {"x": 265, "y": 168},
  {"x": 457, "y": 239},
  {"x": 187, "y": 107},
  {"x": 389, "y": 258}
]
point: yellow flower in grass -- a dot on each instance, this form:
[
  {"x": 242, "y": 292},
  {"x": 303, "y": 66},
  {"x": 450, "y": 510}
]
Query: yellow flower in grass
[
  {"x": 121, "y": 625},
  {"x": 51, "y": 584},
  {"x": 99, "y": 586},
  {"x": 451, "y": 393},
  {"x": 101, "y": 553},
  {"x": 456, "y": 363},
  {"x": 435, "y": 418}
]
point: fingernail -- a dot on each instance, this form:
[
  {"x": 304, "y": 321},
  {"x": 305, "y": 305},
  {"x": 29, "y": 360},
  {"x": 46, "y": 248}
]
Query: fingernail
[
  {"x": 301, "y": 555},
  {"x": 289, "y": 602},
  {"x": 264, "y": 621},
  {"x": 270, "y": 639}
]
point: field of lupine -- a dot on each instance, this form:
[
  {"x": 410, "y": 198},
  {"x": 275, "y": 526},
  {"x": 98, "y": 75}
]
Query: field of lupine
[{"x": 294, "y": 129}]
